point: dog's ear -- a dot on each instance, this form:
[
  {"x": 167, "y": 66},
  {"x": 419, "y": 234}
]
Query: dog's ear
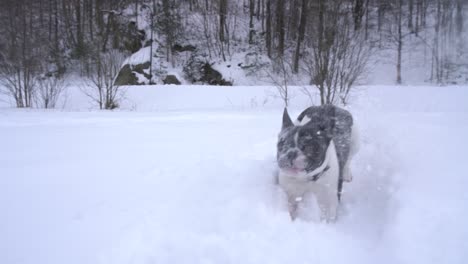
[{"x": 286, "y": 120}]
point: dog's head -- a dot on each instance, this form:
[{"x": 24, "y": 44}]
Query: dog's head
[{"x": 302, "y": 148}]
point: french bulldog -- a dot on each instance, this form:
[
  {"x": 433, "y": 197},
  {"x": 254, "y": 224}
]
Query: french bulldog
[{"x": 313, "y": 156}]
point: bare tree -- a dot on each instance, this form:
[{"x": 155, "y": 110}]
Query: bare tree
[
  {"x": 339, "y": 55},
  {"x": 20, "y": 51},
  {"x": 280, "y": 77},
  {"x": 100, "y": 85},
  {"x": 396, "y": 34},
  {"x": 448, "y": 48},
  {"x": 49, "y": 91},
  {"x": 18, "y": 82}
]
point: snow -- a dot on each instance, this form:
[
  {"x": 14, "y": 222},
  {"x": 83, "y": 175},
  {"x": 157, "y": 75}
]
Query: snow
[
  {"x": 185, "y": 174},
  {"x": 140, "y": 78},
  {"x": 139, "y": 57}
]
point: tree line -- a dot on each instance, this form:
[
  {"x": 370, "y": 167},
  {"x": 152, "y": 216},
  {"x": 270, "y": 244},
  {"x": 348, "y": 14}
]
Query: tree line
[{"x": 330, "y": 40}]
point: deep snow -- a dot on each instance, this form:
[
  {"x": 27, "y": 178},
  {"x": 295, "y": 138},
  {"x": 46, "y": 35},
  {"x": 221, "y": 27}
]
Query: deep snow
[{"x": 186, "y": 176}]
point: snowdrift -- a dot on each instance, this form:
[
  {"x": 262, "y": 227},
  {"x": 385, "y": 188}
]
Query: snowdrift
[{"x": 185, "y": 175}]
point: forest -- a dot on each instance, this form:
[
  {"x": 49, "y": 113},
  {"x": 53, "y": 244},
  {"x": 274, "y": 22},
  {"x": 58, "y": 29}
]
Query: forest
[{"x": 328, "y": 44}]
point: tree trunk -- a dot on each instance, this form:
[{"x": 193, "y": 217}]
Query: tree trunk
[
  {"x": 400, "y": 40},
  {"x": 56, "y": 25},
  {"x": 367, "y": 20},
  {"x": 222, "y": 19},
  {"x": 41, "y": 14},
  {"x": 263, "y": 15},
  {"x": 136, "y": 11},
  {"x": 459, "y": 24},
  {"x": 417, "y": 18},
  {"x": 435, "y": 73},
  {"x": 258, "y": 9},
  {"x": 280, "y": 27},
  {"x": 268, "y": 28},
  {"x": 301, "y": 33},
  {"x": 222, "y": 25},
  {"x": 50, "y": 21},
  {"x": 90, "y": 19},
  {"x": 151, "y": 48},
  {"x": 459, "y": 17},
  {"x": 320, "y": 72},
  {"x": 358, "y": 13},
  {"x": 251, "y": 24},
  {"x": 105, "y": 38},
  {"x": 79, "y": 33},
  {"x": 294, "y": 19},
  {"x": 168, "y": 33},
  {"x": 423, "y": 12},
  {"x": 99, "y": 17},
  {"x": 410, "y": 16},
  {"x": 380, "y": 14}
]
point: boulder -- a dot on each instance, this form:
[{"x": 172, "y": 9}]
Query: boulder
[
  {"x": 210, "y": 75},
  {"x": 182, "y": 48},
  {"x": 171, "y": 79},
  {"x": 198, "y": 69},
  {"x": 213, "y": 77},
  {"x": 131, "y": 74}
]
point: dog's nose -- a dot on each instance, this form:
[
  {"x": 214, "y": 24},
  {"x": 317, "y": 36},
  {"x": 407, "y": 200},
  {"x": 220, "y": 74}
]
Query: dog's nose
[{"x": 287, "y": 160}]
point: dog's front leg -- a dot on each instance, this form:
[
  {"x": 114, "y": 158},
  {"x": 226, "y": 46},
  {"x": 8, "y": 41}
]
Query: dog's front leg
[
  {"x": 347, "y": 175},
  {"x": 293, "y": 203},
  {"x": 328, "y": 203}
]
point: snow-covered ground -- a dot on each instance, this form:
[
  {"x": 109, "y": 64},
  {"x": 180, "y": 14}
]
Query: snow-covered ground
[{"x": 185, "y": 175}]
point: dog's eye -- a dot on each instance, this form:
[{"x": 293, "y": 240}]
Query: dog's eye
[
  {"x": 280, "y": 143},
  {"x": 308, "y": 147},
  {"x": 307, "y": 141},
  {"x": 312, "y": 148}
]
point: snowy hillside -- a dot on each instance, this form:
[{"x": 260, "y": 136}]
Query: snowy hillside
[{"x": 185, "y": 175}]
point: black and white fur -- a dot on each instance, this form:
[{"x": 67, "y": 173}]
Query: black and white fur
[{"x": 313, "y": 156}]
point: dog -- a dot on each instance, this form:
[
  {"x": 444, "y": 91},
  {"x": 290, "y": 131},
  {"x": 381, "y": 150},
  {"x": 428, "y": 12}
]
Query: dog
[{"x": 313, "y": 156}]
